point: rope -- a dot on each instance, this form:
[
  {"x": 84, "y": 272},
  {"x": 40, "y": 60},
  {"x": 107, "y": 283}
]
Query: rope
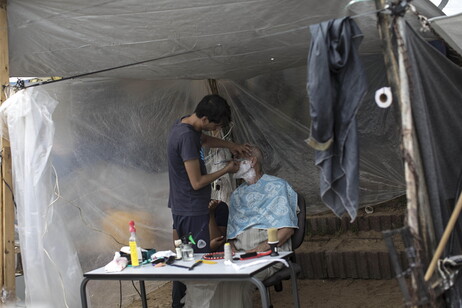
[{"x": 115, "y": 68}]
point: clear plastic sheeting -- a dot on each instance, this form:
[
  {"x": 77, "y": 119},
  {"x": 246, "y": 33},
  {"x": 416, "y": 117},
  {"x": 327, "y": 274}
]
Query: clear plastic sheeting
[
  {"x": 51, "y": 267},
  {"x": 109, "y": 163},
  {"x": 225, "y": 39}
]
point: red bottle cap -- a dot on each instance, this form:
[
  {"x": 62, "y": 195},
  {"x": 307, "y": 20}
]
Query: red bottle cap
[{"x": 132, "y": 226}]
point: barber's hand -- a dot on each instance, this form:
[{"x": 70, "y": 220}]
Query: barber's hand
[
  {"x": 213, "y": 205},
  {"x": 217, "y": 242},
  {"x": 232, "y": 166},
  {"x": 241, "y": 150}
]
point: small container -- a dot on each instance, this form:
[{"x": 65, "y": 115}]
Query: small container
[
  {"x": 228, "y": 253},
  {"x": 187, "y": 252},
  {"x": 178, "y": 246}
]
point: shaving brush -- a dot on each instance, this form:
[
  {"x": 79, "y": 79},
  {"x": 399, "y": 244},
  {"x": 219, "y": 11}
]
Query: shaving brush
[{"x": 273, "y": 241}]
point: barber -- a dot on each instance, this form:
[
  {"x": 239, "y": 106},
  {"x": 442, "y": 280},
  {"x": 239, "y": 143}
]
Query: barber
[{"x": 190, "y": 189}]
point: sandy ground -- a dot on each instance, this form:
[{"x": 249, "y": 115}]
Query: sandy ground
[{"x": 344, "y": 293}]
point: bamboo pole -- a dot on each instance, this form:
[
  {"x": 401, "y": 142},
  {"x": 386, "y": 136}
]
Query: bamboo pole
[{"x": 7, "y": 258}]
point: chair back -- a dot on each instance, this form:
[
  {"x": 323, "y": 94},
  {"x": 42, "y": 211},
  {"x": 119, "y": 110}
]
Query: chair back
[{"x": 299, "y": 234}]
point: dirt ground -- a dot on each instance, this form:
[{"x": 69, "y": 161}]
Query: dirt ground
[{"x": 344, "y": 293}]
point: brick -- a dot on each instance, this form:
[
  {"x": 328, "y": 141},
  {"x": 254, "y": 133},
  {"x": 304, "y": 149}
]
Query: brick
[
  {"x": 385, "y": 222},
  {"x": 374, "y": 222},
  {"x": 397, "y": 221},
  {"x": 330, "y": 260},
  {"x": 352, "y": 226},
  {"x": 332, "y": 226},
  {"x": 341, "y": 266},
  {"x": 386, "y": 271},
  {"x": 350, "y": 264},
  {"x": 311, "y": 225},
  {"x": 318, "y": 262},
  {"x": 323, "y": 225},
  {"x": 363, "y": 224},
  {"x": 307, "y": 271},
  {"x": 344, "y": 224},
  {"x": 361, "y": 264},
  {"x": 373, "y": 265}
]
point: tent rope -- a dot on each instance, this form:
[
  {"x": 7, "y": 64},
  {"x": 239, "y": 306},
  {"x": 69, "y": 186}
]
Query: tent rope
[{"x": 114, "y": 68}]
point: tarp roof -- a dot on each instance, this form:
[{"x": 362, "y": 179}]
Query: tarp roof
[
  {"x": 448, "y": 27},
  {"x": 222, "y": 38}
]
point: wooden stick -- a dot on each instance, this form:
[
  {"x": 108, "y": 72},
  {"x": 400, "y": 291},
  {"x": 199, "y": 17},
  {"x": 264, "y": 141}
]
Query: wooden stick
[
  {"x": 7, "y": 258},
  {"x": 444, "y": 238}
]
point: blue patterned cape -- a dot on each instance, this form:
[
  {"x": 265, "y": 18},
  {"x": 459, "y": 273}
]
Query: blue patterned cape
[{"x": 269, "y": 203}]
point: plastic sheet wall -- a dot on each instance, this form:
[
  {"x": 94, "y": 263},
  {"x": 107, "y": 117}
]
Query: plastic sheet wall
[{"x": 106, "y": 164}]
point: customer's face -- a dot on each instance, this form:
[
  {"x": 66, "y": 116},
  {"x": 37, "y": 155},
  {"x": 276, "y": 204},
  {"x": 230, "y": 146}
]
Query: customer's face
[{"x": 244, "y": 167}]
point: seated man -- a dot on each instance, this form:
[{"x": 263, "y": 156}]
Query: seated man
[{"x": 262, "y": 202}]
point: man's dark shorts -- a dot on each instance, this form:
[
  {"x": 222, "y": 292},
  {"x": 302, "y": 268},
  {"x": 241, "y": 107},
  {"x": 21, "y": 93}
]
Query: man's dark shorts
[{"x": 198, "y": 226}]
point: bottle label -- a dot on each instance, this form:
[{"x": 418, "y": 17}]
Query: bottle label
[{"x": 134, "y": 253}]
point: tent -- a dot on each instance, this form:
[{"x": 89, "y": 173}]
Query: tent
[{"x": 89, "y": 153}]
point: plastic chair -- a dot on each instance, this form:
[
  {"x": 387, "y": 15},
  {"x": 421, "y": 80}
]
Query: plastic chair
[{"x": 297, "y": 239}]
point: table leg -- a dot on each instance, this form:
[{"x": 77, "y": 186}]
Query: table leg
[
  {"x": 293, "y": 278},
  {"x": 143, "y": 294},
  {"x": 83, "y": 292},
  {"x": 263, "y": 294}
]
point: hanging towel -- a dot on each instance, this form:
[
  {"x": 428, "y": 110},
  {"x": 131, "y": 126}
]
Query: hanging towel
[{"x": 336, "y": 86}]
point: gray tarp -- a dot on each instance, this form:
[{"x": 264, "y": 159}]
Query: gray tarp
[
  {"x": 237, "y": 39},
  {"x": 436, "y": 96},
  {"x": 449, "y": 28},
  {"x": 109, "y": 147}
]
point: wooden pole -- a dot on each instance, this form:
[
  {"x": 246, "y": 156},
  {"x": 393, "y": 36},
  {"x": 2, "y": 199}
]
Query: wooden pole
[
  {"x": 419, "y": 213},
  {"x": 421, "y": 226},
  {"x": 7, "y": 258},
  {"x": 444, "y": 239},
  {"x": 407, "y": 135},
  {"x": 384, "y": 24}
]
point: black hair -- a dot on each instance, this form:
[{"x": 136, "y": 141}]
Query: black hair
[{"x": 215, "y": 108}]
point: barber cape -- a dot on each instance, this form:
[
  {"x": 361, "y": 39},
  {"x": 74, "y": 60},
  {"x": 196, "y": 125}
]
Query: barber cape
[{"x": 269, "y": 203}]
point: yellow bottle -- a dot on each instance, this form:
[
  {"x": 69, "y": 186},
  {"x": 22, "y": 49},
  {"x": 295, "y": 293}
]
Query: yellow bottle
[{"x": 135, "y": 251}]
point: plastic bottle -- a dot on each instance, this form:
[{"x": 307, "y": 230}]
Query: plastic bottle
[
  {"x": 228, "y": 252},
  {"x": 187, "y": 251},
  {"x": 178, "y": 246},
  {"x": 135, "y": 251}
]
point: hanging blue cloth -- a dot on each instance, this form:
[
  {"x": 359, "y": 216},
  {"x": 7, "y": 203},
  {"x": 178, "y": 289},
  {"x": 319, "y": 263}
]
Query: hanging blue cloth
[{"x": 336, "y": 86}]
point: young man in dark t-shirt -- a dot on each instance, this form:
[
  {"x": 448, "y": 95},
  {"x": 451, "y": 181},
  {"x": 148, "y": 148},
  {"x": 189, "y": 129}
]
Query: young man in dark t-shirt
[{"x": 189, "y": 182}]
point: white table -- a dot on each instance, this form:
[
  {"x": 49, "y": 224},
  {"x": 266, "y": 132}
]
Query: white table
[{"x": 217, "y": 272}]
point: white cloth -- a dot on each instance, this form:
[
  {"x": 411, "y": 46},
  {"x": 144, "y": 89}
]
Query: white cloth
[{"x": 117, "y": 264}]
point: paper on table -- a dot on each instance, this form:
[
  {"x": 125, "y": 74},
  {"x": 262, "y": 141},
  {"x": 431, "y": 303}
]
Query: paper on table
[{"x": 239, "y": 267}]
